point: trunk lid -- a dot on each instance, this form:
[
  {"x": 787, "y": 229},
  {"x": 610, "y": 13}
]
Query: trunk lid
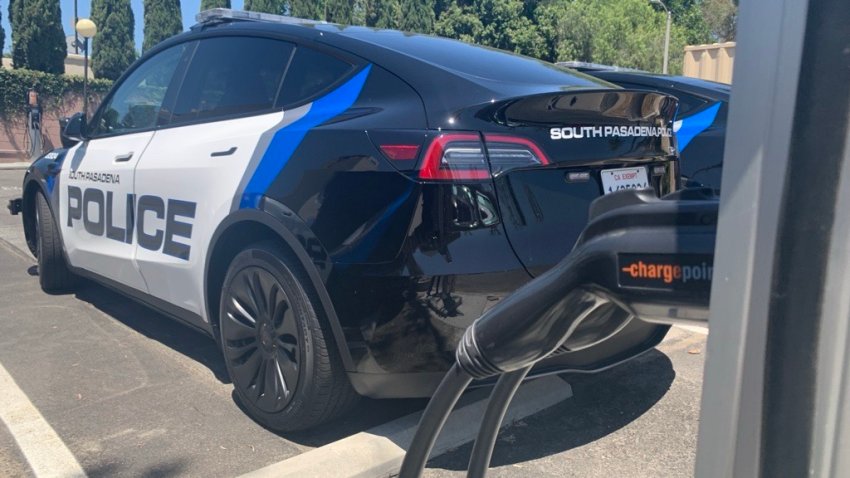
[{"x": 594, "y": 142}]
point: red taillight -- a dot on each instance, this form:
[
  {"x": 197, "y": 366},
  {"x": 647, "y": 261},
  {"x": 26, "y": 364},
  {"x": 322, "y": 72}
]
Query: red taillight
[
  {"x": 400, "y": 152},
  {"x": 510, "y": 152},
  {"x": 453, "y": 156}
]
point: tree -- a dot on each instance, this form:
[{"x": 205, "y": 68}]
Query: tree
[
  {"x": 687, "y": 14},
  {"x": 417, "y": 16},
  {"x": 264, "y": 6},
  {"x": 312, "y": 9},
  {"x": 618, "y": 32},
  {"x": 2, "y": 34},
  {"x": 721, "y": 16},
  {"x": 113, "y": 48},
  {"x": 339, "y": 11},
  {"x": 387, "y": 14},
  {"x": 38, "y": 39},
  {"x": 210, "y": 4},
  {"x": 162, "y": 20},
  {"x": 459, "y": 22},
  {"x": 505, "y": 27}
]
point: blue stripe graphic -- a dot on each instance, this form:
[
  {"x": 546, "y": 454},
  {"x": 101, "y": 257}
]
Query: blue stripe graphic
[
  {"x": 287, "y": 139},
  {"x": 696, "y": 124}
]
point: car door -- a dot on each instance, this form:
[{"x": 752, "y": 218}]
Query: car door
[
  {"x": 223, "y": 117},
  {"x": 97, "y": 201}
]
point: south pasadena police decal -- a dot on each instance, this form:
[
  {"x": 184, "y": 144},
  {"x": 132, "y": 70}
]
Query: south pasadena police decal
[
  {"x": 92, "y": 208},
  {"x": 666, "y": 271},
  {"x": 94, "y": 177},
  {"x": 581, "y": 132}
]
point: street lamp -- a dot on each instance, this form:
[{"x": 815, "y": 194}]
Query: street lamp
[
  {"x": 86, "y": 28},
  {"x": 666, "y": 35}
]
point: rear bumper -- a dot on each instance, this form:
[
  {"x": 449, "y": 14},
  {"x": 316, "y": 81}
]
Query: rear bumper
[{"x": 635, "y": 339}]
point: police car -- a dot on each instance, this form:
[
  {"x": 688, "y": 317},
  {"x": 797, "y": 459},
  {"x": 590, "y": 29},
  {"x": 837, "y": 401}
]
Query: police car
[{"x": 335, "y": 205}]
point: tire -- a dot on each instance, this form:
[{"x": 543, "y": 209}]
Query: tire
[
  {"x": 279, "y": 352},
  {"x": 53, "y": 273}
]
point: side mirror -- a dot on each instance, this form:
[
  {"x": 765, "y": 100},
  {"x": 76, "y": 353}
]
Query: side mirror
[{"x": 74, "y": 130}]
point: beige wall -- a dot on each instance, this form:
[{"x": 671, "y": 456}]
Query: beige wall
[
  {"x": 73, "y": 65},
  {"x": 710, "y": 62}
]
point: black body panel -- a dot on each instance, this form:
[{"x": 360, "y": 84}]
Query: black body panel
[{"x": 701, "y": 159}]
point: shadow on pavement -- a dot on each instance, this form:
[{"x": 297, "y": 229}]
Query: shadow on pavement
[
  {"x": 368, "y": 413},
  {"x": 173, "y": 468},
  {"x": 202, "y": 349},
  {"x": 156, "y": 326},
  {"x": 601, "y": 404}
]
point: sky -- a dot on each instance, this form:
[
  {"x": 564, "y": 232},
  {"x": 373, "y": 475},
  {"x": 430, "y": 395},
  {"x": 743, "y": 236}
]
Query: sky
[{"x": 189, "y": 9}]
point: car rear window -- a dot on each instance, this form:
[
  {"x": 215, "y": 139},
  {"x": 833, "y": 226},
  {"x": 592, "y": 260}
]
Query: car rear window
[
  {"x": 310, "y": 73},
  {"x": 231, "y": 76},
  {"x": 472, "y": 60}
]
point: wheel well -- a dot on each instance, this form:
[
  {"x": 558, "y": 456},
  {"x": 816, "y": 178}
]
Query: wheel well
[
  {"x": 28, "y": 215},
  {"x": 231, "y": 242}
]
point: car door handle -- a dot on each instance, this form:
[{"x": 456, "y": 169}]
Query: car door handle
[
  {"x": 121, "y": 158},
  {"x": 226, "y": 152}
]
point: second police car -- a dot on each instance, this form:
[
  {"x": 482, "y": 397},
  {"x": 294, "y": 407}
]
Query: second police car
[{"x": 335, "y": 205}]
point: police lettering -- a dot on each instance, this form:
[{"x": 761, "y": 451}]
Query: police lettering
[{"x": 95, "y": 209}]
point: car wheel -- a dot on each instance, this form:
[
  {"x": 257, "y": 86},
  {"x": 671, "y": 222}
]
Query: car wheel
[
  {"x": 53, "y": 273},
  {"x": 278, "y": 350}
]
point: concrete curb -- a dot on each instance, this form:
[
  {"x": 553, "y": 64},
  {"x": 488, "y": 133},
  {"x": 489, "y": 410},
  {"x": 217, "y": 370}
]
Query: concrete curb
[
  {"x": 18, "y": 165},
  {"x": 378, "y": 452}
]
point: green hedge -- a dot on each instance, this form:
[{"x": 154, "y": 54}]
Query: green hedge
[{"x": 52, "y": 90}]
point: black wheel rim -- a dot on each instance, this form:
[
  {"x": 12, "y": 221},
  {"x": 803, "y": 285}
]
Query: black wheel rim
[{"x": 260, "y": 339}]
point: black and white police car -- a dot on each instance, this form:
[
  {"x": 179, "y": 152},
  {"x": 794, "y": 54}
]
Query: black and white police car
[{"x": 335, "y": 205}]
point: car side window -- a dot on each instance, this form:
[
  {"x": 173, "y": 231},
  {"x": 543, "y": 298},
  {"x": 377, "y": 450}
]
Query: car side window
[
  {"x": 137, "y": 102},
  {"x": 311, "y": 72},
  {"x": 230, "y": 76}
]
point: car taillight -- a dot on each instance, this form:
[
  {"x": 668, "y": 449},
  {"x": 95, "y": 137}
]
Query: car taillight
[
  {"x": 510, "y": 152},
  {"x": 455, "y": 156},
  {"x": 458, "y": 156}
]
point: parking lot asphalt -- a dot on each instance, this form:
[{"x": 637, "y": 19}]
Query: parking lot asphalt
[
  {"x": 636, "y": 420},
  {"x": 133, "y": 393}
]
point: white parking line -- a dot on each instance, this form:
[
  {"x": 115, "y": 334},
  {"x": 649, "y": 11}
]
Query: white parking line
[
  {"x": 378, "y": 452},
  {"x": 45, "y": 452}
]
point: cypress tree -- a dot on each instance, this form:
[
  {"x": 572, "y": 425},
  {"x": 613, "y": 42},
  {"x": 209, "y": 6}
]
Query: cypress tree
[
  {"x": 210, "y": 4},
  {"x": 38, "y": 39},
  {"x": 339, "y": 11},
  {"x": 2, "y": 34},
  {"x": 162, "y": 20},
  {"x": 113, "y": 49},
  {"x": 264, "y": 6},
  {"x": 417, "y": 16},
  {"x": 312, "y": 9},
  {"x": 14, "y": 6},
  {"x": 385, "y": 14}
]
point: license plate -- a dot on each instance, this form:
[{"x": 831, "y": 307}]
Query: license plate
[{"x": 614, "y": 180}]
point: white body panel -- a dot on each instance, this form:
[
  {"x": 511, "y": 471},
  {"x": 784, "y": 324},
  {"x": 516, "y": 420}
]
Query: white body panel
[
  {"x": 98, "y": 164},
  {"x": 179, "y": 165}
]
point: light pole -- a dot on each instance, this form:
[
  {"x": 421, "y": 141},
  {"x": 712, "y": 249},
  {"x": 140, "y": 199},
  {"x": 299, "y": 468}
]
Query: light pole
[
  {"x": 87, "y": 29},
  {"x": 666, "y": 35}
]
